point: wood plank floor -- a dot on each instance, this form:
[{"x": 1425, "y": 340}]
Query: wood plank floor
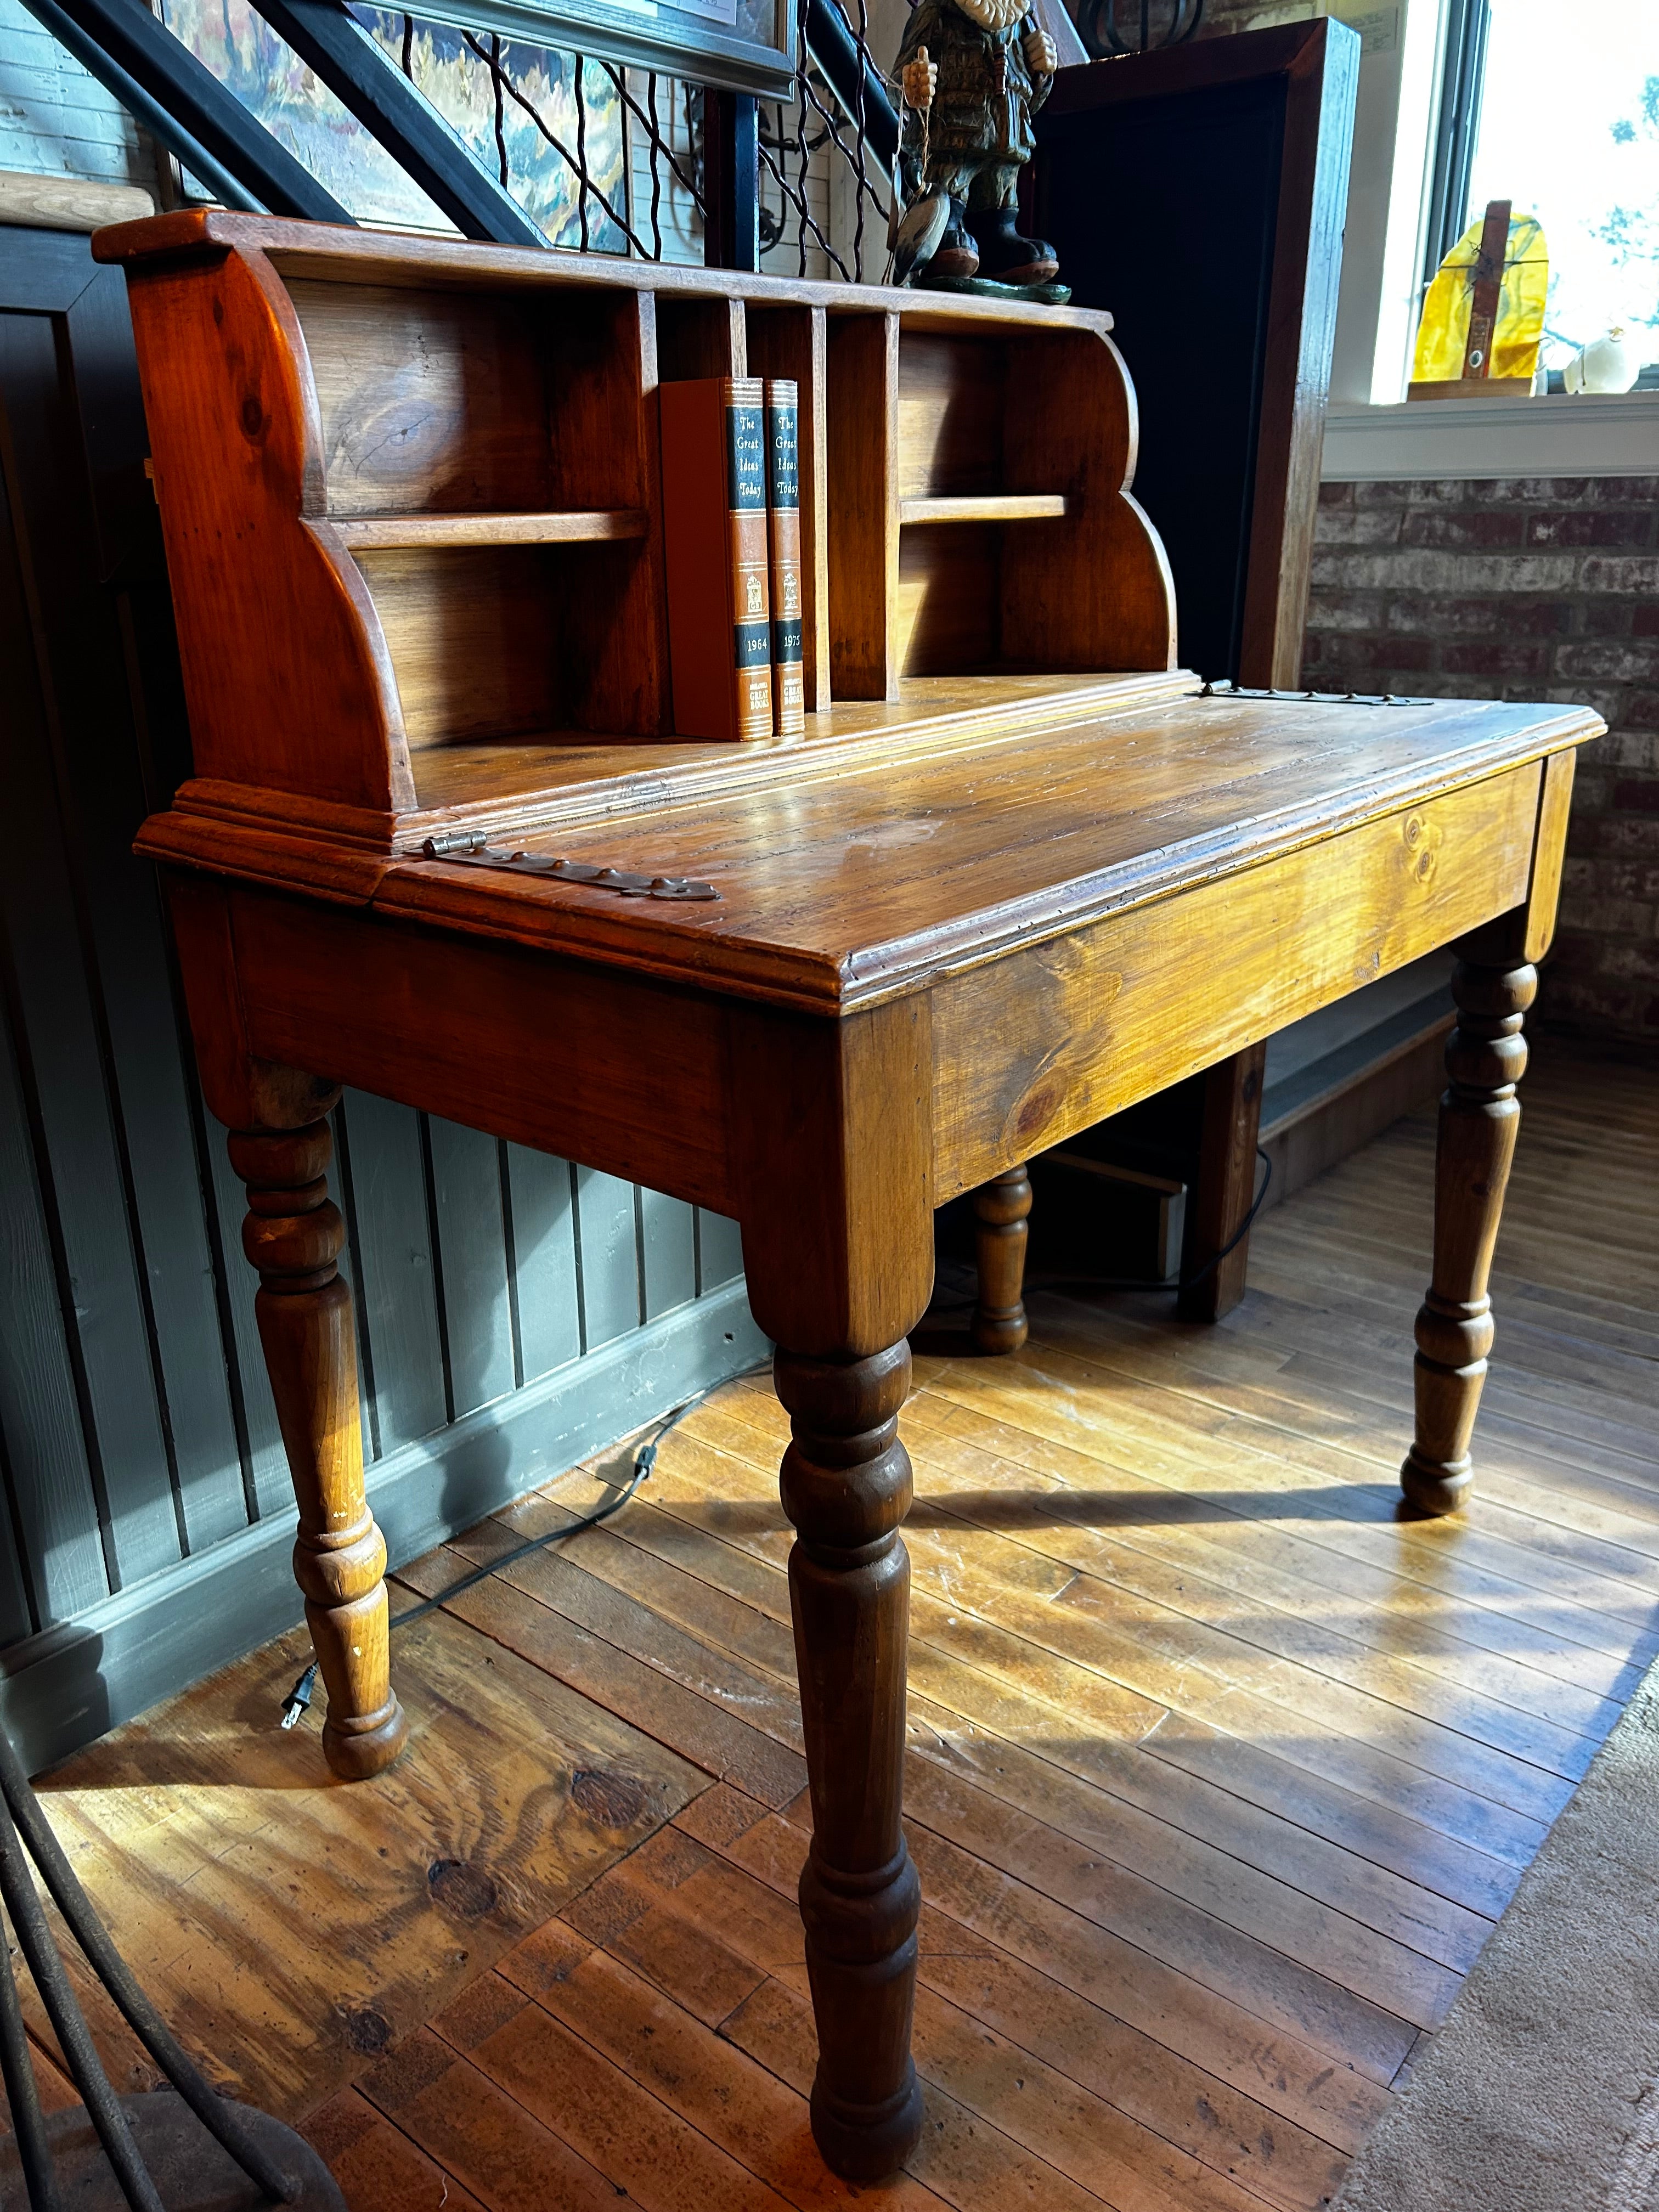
[{"x": 1219, "y": 1773}]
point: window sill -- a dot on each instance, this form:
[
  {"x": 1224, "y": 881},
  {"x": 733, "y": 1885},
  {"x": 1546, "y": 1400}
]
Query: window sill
[{"x": 1581, "y": 434}]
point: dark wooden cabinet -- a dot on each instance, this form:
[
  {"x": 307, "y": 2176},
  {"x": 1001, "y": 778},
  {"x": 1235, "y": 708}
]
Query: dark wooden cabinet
[{"x": 1199, "y": 191}]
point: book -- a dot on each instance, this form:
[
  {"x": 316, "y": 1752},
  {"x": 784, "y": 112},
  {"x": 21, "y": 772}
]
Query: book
[
  {"x": 714, "y": 544},
  {"x": 783, "y": 518}
]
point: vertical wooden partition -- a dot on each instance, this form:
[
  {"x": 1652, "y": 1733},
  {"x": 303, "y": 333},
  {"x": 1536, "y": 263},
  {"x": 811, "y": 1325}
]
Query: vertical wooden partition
[
  {"x": 701, "y": 336},
  {"x": 1079, "y": 592},
  {"x": 862, "y": 417}
]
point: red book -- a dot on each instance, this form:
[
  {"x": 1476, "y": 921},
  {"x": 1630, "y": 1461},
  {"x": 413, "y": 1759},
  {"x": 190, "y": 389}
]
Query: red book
[
  {"x": 714, "y": 539},
  {"x": 783, "y": 502}
]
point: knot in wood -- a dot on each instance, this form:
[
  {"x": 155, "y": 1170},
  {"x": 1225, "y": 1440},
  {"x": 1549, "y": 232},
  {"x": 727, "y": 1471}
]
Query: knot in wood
[
  {"x": 461, "y": 1888},
  {"x": 366, "y": 2030},
  {"x": 614, "y": 1801}
]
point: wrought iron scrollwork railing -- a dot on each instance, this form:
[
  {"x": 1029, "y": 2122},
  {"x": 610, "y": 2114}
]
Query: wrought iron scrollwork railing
[
  {"x": 504, "y": 140},
  {"x": 823, "y": 158}
]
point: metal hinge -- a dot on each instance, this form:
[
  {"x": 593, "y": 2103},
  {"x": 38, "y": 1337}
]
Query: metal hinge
[
  {"x": 1225, "y": 690},
  {"x": 473, "y": 846}
]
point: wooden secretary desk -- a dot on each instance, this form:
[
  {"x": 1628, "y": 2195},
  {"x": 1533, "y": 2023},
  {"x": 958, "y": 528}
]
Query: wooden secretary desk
[{"x": 443, "y": 844}]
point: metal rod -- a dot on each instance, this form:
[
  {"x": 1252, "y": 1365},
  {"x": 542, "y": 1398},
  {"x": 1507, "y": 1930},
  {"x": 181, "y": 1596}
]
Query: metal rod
[
  {"x": 17, "y": 2068},
  {"x": 656, "y": 166},
  {"x": 858, "y": 90},
  {"x": 383, "y": 96},
  {"x": 581, "y": 155},
  {"x": 223, "y": 2121},
  {"x": 103, "y": 2106}
]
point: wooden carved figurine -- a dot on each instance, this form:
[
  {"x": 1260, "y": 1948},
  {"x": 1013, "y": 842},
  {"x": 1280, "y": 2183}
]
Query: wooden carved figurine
[{"x": 974, "y": 72}]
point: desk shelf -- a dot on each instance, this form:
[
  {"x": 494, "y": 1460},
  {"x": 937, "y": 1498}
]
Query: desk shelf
[
  {"x": 988, "y": 507},
  {"x": 385, "y": 533}
]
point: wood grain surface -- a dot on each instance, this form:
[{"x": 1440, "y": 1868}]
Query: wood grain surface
[
  {"x": 841, "y": 889},
  {"x": 320, "y": 252}
]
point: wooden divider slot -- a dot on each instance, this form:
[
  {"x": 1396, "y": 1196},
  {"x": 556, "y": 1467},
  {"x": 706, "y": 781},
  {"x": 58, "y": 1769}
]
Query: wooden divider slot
[
  {"x": 701, "y": 337},
  {"x": 793, "y": 341}
]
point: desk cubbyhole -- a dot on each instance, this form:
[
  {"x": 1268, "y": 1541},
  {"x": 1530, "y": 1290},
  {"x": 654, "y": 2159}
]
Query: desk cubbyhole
[
  {"x": 488, "y": 463},
  {"x": 473, "y": 403},
  {"x": 701, "y": 336},
  {"x": 952, "y": 396},
  {"x": 506, "y": 641},
  {"x": 978, "y": 500}
]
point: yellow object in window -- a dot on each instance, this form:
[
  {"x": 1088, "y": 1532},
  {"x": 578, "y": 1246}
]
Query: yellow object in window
[{"x": 1443, "y": 335}]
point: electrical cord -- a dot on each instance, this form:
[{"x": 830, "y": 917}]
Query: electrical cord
[
  {"x": 1192, "y": 1282},
  {"x": 298, "y": 1700},
  {"x": 1145, "y": 1282}
]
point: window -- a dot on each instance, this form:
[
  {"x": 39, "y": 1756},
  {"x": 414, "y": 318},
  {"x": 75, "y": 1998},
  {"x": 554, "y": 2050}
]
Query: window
[{"x": 1567, "y": 128}]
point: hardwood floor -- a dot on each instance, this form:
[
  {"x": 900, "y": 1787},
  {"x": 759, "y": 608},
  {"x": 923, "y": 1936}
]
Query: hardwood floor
[{"x": 1219, "y": 1773}]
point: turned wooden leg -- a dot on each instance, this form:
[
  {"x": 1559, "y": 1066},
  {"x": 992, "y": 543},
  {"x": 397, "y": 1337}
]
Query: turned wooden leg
[
  {"x": 832, "y": 1134},
  {"x": 1000, "y": 1208},
  {"x": 293, "y": 1236},
  {"x": 1479, "y": 1115},
  {"x": 846, "y": 1485}
]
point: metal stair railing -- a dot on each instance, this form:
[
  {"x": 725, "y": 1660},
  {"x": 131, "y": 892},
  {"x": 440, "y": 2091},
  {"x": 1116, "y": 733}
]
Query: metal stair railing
[{"x": 750, "y": 174}]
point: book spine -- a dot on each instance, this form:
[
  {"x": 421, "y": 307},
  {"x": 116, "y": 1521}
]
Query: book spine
[
  {"x": 783, "y": 500},
  {"x": 751, "y": 629}
]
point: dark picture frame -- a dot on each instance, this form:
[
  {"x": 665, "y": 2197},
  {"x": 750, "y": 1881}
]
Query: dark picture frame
[{"x": 738, "y": 45}]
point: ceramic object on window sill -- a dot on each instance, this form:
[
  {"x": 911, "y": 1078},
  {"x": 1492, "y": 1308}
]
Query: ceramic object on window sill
[{"x": 1612, "y": 363}]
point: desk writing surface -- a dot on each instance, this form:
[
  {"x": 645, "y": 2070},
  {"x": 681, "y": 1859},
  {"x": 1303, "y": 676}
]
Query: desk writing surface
[{"x": 837, "y": 889}]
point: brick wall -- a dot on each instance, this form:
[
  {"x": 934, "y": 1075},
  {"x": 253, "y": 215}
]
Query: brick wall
[
  {"x": 57, "y": 121},
  {"x": 1524, "y": 589}
]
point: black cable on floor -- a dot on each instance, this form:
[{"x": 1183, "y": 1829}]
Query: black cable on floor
[
  {"x": 298, "y": 1700},
  {"x": 1177, "y": 1282}
]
